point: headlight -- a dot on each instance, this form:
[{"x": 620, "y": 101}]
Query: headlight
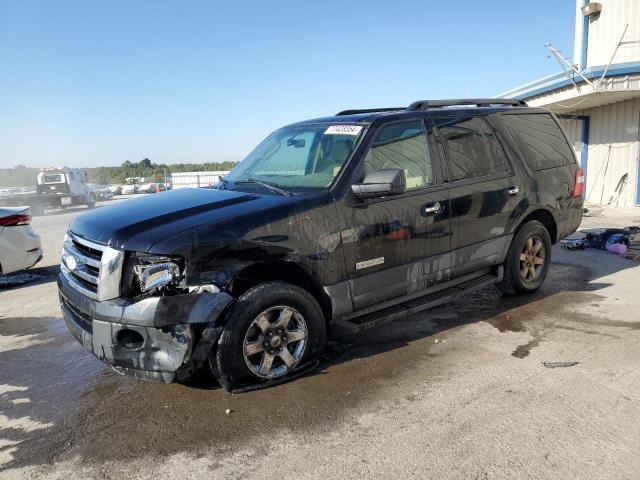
[{"x": 154, "y": 271}]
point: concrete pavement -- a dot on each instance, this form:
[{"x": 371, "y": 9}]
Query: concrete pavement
[{"x": 459, "y": 391}]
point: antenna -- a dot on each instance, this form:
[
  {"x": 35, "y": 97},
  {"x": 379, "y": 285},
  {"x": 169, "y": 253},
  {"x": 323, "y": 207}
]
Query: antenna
[
  {"x": 604, "y": 74},
  {"x": 565, "y": 63}
]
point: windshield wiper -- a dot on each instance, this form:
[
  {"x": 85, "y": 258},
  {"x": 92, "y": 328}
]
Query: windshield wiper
[{"x": 272, "y": 186}]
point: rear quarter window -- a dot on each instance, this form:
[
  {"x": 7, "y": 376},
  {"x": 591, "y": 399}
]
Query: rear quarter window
[{"x": 540, "y": 140}]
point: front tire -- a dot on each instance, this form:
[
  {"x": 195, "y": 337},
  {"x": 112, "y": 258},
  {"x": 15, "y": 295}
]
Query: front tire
[
  {"x": 91, "y": 201},
  {"x": 272, "y": 331},
  {"x": 528, "y": 260}
]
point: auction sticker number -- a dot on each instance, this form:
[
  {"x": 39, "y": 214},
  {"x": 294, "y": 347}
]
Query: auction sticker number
[{"x": 343, "y": 130}]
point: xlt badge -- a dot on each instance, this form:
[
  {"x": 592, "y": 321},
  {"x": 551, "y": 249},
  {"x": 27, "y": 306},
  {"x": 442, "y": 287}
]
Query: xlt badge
[{"x": 369, "y": 263}]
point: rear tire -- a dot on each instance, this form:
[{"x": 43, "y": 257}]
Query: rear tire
[
  {"x": 91, "y": 201},
  {"x": 271, "y": 331},
  {"x": 528, "y": 260}
]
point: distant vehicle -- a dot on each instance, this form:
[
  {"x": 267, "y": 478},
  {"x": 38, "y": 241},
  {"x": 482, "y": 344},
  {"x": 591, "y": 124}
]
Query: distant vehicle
[
  {"x": 137, "y": 180},
  {"x": 20, "y": 245},
  {"x": 129, "y": 189},
  {"x": 151, "y": 188},
  {"x": 56, "y": 188},
  {"x": 116, "y": 189},
  {"x": 332, "y": 224},
  {"x": 102, "y": 192}
]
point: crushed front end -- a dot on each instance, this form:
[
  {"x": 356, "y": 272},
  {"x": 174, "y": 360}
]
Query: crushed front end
[{"x": 134, "y": 311}]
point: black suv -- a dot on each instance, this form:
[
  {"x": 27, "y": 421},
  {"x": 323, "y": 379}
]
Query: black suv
[{"x": 338, "y": 222}]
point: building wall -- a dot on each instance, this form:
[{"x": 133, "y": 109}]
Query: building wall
[
  {"x": 613, "y": 151},
  {"x": 604, "y": 32},
  {"x": 195, "y": 179}
]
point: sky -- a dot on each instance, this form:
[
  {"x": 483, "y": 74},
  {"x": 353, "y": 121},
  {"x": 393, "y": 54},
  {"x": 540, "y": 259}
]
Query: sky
[{"x": 94, "y": 83}]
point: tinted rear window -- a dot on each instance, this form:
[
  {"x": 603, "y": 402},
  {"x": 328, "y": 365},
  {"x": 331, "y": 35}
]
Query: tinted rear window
[
  {"x": 472, "y": 148},
  {"x": 540, "y": 140}
]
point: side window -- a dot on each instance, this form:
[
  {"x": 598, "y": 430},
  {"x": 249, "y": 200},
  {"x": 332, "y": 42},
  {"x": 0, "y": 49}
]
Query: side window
[
  {"x": 472, "y": 148},
  {"x": 402, "y": 145},
  {"x": 540, "y": 140},
  {"x": 494, "y": 149}
]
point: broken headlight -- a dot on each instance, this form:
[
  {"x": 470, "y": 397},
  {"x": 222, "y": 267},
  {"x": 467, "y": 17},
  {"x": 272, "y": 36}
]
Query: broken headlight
[{"x": 154, "y": 272}]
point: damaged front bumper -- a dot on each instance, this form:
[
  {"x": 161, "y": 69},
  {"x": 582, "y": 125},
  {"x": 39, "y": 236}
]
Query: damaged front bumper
[{"x": 150, "y": 339}]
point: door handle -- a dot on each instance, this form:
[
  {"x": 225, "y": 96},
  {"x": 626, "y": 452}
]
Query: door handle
[
  {"x": 513, "y": 191},
  {"x": 431, "y": 209}
]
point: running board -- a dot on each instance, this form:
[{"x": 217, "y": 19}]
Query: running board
[{"x": 403, "y": 310}]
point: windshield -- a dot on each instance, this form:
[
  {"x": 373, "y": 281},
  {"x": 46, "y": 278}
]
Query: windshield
[
  {"x": 53, "y": 178},
  {"x": 299, "y": 156}
]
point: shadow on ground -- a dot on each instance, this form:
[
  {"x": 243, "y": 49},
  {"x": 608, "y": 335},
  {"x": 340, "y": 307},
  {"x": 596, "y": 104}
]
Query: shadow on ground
[{"x": 30, "y": 277}]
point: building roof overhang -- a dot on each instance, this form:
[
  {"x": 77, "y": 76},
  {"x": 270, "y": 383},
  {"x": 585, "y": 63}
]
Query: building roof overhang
[
  {"x": 584, "y": 100},
  {"x": 565, "y": 92}
]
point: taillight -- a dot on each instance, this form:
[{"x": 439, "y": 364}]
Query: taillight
[
  {"x": 578, "y": 186},
  {"x": 15, "y": 220}
]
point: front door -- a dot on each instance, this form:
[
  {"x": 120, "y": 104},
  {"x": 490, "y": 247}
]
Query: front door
[
  {"x": 484, "y": 191},
  {"x": 398, "y": 245}
]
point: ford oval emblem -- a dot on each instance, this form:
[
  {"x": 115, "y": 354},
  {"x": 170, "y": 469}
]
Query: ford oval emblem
[{"x": 71, "y": 262}]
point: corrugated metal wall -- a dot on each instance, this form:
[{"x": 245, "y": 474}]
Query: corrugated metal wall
[
  {"x": 606, "y": 29},
  {"x": 613, "y": 151},
  {"x": 573, "y": 128}
]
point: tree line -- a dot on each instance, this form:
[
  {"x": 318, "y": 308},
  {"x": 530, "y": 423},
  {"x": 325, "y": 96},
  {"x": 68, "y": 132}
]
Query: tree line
[{"x": 22, "y": 176}]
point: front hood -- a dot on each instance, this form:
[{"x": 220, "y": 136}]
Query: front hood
[{"x": 140, "y": 223}]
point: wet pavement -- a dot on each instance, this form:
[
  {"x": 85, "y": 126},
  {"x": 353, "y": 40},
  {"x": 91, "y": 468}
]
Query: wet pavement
[
  {"x": 79, "y": 404},
  {"x": 61, "y": 406}
]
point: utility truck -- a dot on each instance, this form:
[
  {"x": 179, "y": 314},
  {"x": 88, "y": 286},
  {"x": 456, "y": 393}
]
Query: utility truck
[{"x": 56, "y": 188}]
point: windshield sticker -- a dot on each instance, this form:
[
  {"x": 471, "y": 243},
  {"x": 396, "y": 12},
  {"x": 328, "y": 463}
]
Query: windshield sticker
[{"x": 343, "y": 130}]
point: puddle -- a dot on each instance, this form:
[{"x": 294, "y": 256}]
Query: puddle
[{"x": 522, "y": 351}]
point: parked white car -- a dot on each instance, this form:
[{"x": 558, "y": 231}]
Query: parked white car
[
  {"x": 20, "y": 245},
  {"x": 129, "y": 189}
]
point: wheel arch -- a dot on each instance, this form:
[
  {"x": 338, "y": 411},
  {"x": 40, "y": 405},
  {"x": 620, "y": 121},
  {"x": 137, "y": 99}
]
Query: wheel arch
[
  {"x": 284, "y": 271},
  {"x": 546, "y": 218}
]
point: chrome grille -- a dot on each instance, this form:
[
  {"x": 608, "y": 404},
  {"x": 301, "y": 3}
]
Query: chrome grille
[{"x": 91, "y": 268}]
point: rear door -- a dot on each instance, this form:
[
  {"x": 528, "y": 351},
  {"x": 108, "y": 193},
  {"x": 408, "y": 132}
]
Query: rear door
[
  {"x": 552, "y": 165},
  {"x": 483, "y": 189},
  {"x": 397, "y": 245}
]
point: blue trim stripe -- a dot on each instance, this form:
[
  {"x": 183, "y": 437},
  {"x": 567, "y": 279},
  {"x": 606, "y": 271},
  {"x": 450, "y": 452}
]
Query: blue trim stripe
[
  {"x": 638, "y": 183},
  {"x": 526, "y": 91},
  {"x": 584, "y": 143},
  {"x": 535, "y": 83},
  {"x": 585, "y": 40},
  {"x": 638, "y": 178},
  {"x": 584, "y": 149}
]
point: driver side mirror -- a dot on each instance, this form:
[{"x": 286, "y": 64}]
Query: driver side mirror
[{"x": 381, "y": 183}]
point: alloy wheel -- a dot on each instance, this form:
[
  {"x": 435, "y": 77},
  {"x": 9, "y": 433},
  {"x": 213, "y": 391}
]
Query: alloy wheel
[
  {"x": 532, "y": 259},
  {"x": 275, "y": 342}
]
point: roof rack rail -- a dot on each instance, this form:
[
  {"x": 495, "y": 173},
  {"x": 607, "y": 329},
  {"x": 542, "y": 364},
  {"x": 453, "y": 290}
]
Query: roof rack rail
[
  {"x": 479, "y": 102},
  {"x": 369, "y": 110}
]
